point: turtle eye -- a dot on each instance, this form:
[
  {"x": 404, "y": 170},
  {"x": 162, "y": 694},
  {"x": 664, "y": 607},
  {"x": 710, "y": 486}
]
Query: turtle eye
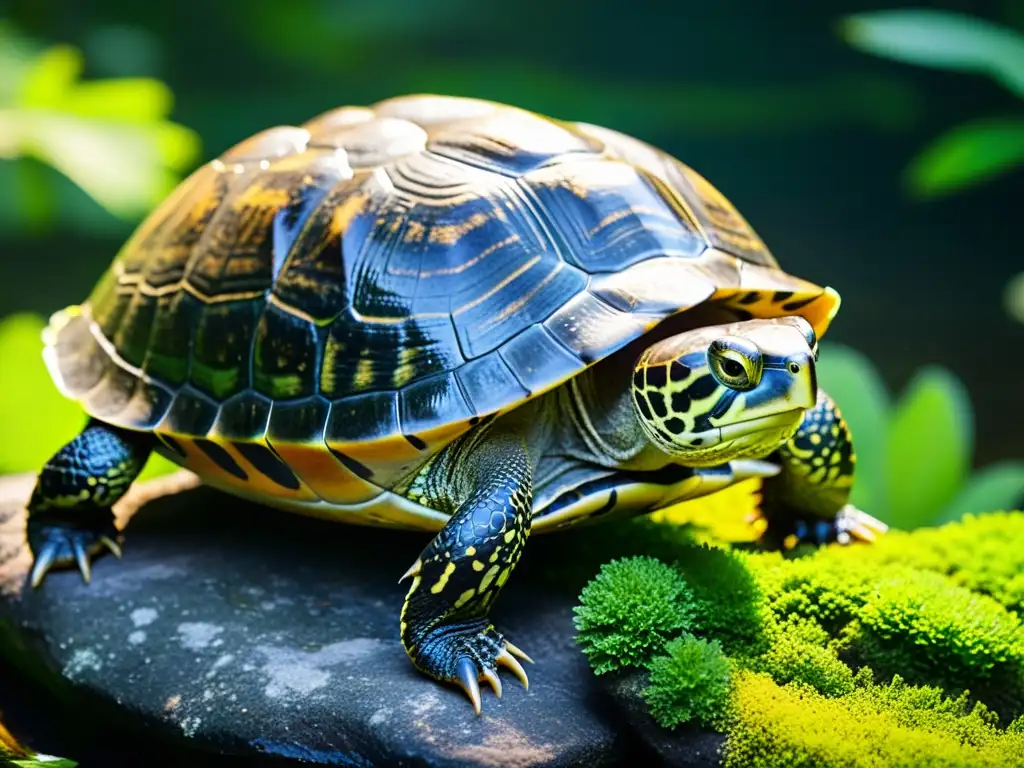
[{"x": 735, "y": 362}]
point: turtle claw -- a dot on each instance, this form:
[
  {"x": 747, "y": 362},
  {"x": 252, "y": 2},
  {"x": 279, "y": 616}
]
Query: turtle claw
[
  {"x": 57, "y": 544},
  {"x": 849, "y": 525},
  {"x": 506, "y": 659},
  {"x": 516, "y": 652},
  {"x": 466, "y": 679},
  {"x": 492, "y": 678},
  {"x": 852, "y": 523}
]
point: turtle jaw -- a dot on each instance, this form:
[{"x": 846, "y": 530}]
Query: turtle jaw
[{"x": 749, "y": 439}]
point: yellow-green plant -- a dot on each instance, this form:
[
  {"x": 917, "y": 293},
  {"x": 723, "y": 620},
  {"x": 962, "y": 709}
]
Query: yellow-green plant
[
  {"x": 35, "y": 419},
  {"x": 110, "y": 137},
  {"x": 909, "y": 652},
  {"x": 914, "y": 454}
]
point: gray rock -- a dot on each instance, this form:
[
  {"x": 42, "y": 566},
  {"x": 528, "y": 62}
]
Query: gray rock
[{"x": 244, "y": 631}]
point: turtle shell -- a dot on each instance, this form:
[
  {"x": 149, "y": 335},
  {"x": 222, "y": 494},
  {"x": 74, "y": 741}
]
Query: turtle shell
[{"x": 344, "y": 298}]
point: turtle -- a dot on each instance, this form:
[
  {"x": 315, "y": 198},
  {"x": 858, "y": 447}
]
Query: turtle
[{"x": 456, "y": 316}]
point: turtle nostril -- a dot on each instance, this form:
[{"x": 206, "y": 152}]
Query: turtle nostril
[{"x": 794, "y": 368}]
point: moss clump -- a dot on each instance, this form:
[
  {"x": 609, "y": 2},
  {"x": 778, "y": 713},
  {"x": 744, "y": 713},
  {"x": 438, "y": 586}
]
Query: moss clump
[
  {"x": 801, "y": 651},
  {"x": 689, "y": 682},
  {"x": 928, "y": 629},
  {"x": 630, "y": 610},
  {"x": 792, "y": 726},
  {"x": 907, "y": 638}
]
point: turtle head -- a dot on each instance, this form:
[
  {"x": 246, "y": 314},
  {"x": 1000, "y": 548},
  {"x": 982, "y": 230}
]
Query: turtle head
[{"x": 725, "y": 392}]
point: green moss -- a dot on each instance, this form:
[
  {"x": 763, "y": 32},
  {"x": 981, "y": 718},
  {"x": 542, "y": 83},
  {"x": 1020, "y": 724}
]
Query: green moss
[
  {"x": 690, "y": 682},
  {"x": 629, "y": 611},
  {"x": 906, "y": 652},
  {"x": 801, "y": 651},
  {"x": 886, "y": 726},
  {"x": 730, "y": 606},
  {"x": 929, "y": 630},
  {"x": 793, "y": 726}
]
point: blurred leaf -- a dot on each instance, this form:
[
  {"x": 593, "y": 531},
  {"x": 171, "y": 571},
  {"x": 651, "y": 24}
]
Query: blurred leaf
[
  {"x": 853, "y": 381},
  {"x": 930, "y": 446},
  {"x": 940, "y": 39},
  {"x": 968, "y": 154},
  {"x": 1013, "y": 297},
  {"x": 35, "y": 419},
  {"x": 998, "y": 487},
  {"x": 110, "y": 137}
]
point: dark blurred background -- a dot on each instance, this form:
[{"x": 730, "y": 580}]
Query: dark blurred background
[{"x": 808, "y": 135}]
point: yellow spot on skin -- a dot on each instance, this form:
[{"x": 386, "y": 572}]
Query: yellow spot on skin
[
  {"x": 503, "y": 577},
  {"x": 494, "y": 554},
  {"x": 509, "y": 535},
  {"x": 91, "y": 481},
  {"x": 815, "y": 438},
  {"x": 470, "y": 551},
  {"x": 790, "y": 541},
  {"x": 441, "y": 582},
  {"x": 465, "y": 597},
  {"x": 489, "y": 577},
  {"x": 477, "y": 565}
]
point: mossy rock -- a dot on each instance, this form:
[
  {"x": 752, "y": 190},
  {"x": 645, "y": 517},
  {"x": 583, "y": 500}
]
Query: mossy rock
[{"x": 909, "y": 651}]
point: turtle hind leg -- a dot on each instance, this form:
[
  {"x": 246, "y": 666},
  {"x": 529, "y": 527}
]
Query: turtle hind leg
[
  {"x": 70, "y": 516},
  {"x": 445, "y": 625},
  {"x": 808, "y": 500}
]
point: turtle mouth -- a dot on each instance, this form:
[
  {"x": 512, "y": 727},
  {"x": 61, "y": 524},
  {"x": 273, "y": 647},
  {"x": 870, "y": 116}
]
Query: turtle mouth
[{"x": 745, "y": 429}]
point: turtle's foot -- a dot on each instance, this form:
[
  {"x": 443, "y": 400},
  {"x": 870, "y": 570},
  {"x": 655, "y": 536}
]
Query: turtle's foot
[
  {"x": 466, "y": 653},
  {"x": 849, "y": 525},
  {"x": 63, "y": 538}
]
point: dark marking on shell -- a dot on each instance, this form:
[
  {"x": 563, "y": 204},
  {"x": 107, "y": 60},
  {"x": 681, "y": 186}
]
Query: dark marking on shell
[
  {"x": 781, "y": 296},
  {"x": 415, "y": 442},
  {"x": 357, "y": 468},
  {"x": 638, "y": 378},
  {"x": 219, "y": 456},
  {"x": 658, "y": 404},
  {"x": 750, "y": 298},
  {"x": 172, "y": 445},
  {"x": 474, "y": 421},
  {"x": 793, "y": 306},
  {"x": 269, "y": 464},
  {"x": 697, "y": 441},
  {"x": 743, "y": 314}
]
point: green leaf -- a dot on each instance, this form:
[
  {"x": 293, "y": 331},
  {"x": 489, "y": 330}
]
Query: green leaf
[
  {"x": 995, "y": 488},
  {"x": 853, "y": 382},
  {"x": 110, "y": 137},
  {"x": 942, "y": 40},
  {"x": 50, "y": 77},
  {"x": 35, "y": 419},
  {"x": 968, "y": 154},
  {"x": 930, "y": 445},
  {"x": 1013, "y": 297}
]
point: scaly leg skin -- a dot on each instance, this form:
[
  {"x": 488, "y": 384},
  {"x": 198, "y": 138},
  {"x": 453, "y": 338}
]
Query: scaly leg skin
[
  {"x": 445, "y": 625},
  {"x": 808, "y": 500},
  {"x": 70, "y": 518}
]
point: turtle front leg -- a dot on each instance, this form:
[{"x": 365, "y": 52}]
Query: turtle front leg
[
  {"x": 809, "y": 499},
  {"x": 70, "y": 517},
  {"x": 445, "y": 625}
]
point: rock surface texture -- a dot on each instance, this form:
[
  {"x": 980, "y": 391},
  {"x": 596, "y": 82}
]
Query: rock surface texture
[{"x": 234, "y": 629}]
